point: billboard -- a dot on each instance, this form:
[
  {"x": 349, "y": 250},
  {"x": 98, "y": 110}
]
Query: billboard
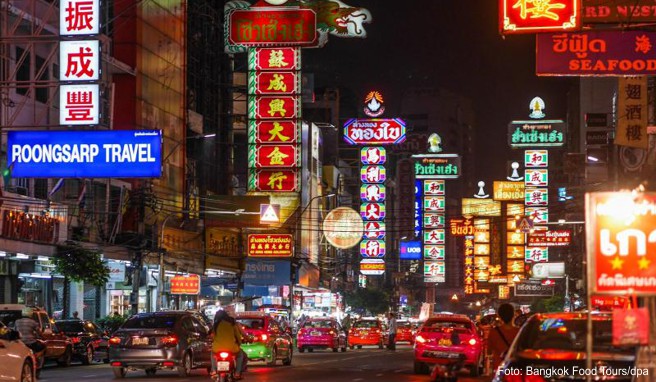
[
  {"x": 618, "y": 11},
  {"x": 600, "y": 53},
  {"x": 85, "y": 154},
  {"x": 270, "y": 26},
  {"x": 185, "y": 284},
  {"x": 376, "y": 131},
  {"x": 410, "y": 250},
  {"x": 267, "y": 272},
  {"x": 270, "y": 245},
  {"x": 526, "y": 16}
]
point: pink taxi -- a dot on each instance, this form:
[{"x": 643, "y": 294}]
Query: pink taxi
[{"x": 321, "y": 333}]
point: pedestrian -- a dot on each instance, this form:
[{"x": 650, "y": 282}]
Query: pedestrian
[
  {"x": 391, "y": 341},
  {"x": 76, "y": 315},
  {"x": 346, "y": 322},
  {"x": 501, "y": 336}
]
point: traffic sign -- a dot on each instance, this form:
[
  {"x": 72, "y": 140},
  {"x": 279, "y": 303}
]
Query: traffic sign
[
  {"x": 269, "y": 213},
  {"x": 525, "y": 224}
]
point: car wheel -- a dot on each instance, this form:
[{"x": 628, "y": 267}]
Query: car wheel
[
  {"x": 359, "y": 346},
  {"x": 88, "y": 357},
  {"x": 119, "y": 372},
  {"x": 343, "y": 349},
  {"x": 421, "y": 368},
  {"x": 185, "y": 368},
  {"x": 301, "y": 349},
  {"x": 381, "y": 345},
  {"x": 352, "y": 347},
  {"x": 310, "y": 350},
  {"x": 27, "y": 372},
  {"x": 476, "y": 370},
  {"x": 274, "y": 357},
  {"x": 288, "y": 361},
  {"x": 151, "y": 372},
  {"x": 335, "y": 350},
  {"x": 65, "y": 360}
]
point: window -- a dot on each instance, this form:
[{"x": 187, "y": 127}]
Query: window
[
  {"x": 43, "y": 72},
  {"x": 23, "y": 70},
  {"x": 150, "y": 322}
]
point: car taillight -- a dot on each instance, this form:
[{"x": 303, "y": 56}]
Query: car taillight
[
  {"x": 264, "y": 337},
  {"x": 169, "y": 341},
  {"x": 75, "y": 340},
  {"x": 224, "y": 355},
  {"x": 472, "y": 341},
  {"x": 350, "y": 331},
  {"x": 332, "y": 332},
  {"x": 420, "y": 339},
  {"x": 114, "y": 341}
]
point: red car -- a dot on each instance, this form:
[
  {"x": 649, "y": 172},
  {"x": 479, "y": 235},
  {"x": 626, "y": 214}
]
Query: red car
[
  {"x": 404, "y": 332},
  {"x": 321, "y": 333},
  {"x": 444, "y": 338},
  {"x": 367, "y": 332}
]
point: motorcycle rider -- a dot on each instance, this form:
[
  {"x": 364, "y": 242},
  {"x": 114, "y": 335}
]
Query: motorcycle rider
[
  {"x": 30, "y": 332},
  {"x": 228, "y": 336}
]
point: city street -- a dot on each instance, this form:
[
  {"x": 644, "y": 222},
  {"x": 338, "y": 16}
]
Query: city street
[{"x": 320, "y": 366}]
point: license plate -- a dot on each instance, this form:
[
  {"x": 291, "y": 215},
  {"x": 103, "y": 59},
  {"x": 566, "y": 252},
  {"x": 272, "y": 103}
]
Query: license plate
[
  {"x": 441, "y": 354},
  {"x": 445, "y": 342},
  {"x": 139, "y": 340},
  {"x": 315, "y": 333},
  {"x": 223, "y": 366}
]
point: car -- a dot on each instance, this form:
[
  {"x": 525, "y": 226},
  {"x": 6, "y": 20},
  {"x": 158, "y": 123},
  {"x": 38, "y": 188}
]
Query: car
[
  {"x": 367, "y": 332},
  {"x": 170, "y": 340},
  {"x": 557, "y": 341},
  {"x": 89, "y": 342},
  {"x": 444, "y": 338},
  {"x": 58, "y": 346},
  {"x": 405, "y": 332},
  {"x": 321, "y": 333},
  {"x": 270, "y": 342},
  {"x": 17, "y": 362}
]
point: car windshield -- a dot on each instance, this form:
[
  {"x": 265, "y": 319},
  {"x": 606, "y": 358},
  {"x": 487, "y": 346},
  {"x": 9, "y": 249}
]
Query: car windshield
[
  {"x": 70, "y": 326},
  {"x": 404, "y": 324},
  {"x": 443, "y": 326},
  {"x": 567, "y": 334},
  {"x": 252, "y": 323},
  {"x": 9, "y": 316},
  {"x": 318, "y": 324},
  {"x": 150, "y": 322},
  {"x": 366, "y": 324}
]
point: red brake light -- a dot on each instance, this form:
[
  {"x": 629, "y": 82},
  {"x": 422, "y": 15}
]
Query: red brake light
[
  {"x": 264, "y": 337},
  {"x": 472, "y": 341},
  {"x": 76, "y": 340},
  {"x": 115, "y": 363},
  {"x": 168, "y": 364},
  {"x": 169, "y": 341},
  {"x": 114, "y": 341},
  {"x": 420, "y": 339},
  {"x": 224, "y": 355},
  {"x": 332, "y": 332}
]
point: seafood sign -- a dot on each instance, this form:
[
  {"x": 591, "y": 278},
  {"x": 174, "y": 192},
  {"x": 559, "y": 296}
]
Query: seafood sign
[
  {"x": 374, "y": 131},
  {"x": 621, "y": 242},
  {"x": 601, "y": 53}
]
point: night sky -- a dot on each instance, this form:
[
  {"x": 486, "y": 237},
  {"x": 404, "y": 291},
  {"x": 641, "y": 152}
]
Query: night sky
[{"x": 452, "y": 44}]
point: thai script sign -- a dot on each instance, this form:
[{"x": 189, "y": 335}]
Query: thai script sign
[
  {"x": 618, "y": 11},
  {"x": 508, "y": 191},
  {"x": 185, "y": 284},
  {"x": 372, "y": 267},
  {"x": 533, "y": 289},
  {"x": 273, "y": 245},
  {"x": 529, "y": 16},
  {"x": 85, "y": 154},
  {"x": 437, "y": 166},
  {"x": 559, "y": 238},
  {"x": 374, "y": 131},
  {"x": 480, "y": 207},
  {"x": 461, "y": 227},
  {"x": 602, "y": 53},
  {"x": 271, "y": 26},
  {"x": 536, "y": 133},
  {"x": 621, "y": 242}
]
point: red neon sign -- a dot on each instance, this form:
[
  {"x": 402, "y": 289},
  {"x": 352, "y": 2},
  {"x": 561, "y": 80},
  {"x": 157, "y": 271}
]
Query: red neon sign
[{"x": 531, "y": 16}]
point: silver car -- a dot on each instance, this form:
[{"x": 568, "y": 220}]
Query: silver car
[{"x": 160, "y": 340}]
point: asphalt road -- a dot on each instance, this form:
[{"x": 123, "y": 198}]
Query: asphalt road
[{"x": 362, "y": 365}]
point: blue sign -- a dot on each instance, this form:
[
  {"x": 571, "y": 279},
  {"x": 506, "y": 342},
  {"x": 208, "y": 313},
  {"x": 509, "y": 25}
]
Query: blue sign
[
  {"x": 267, "y": 272},
  {"x": 85, "y": 154},
  {"x": 419, "y": 207},
  {"x": 410, "y": 250}
]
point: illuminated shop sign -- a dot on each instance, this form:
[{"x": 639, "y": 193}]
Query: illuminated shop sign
[
  {"x": 273, "y": 180},
  {"x": 374, "y": 131},
  {"x": 508, "y": 191},
  {"x": 270, "y": 245},
  {"x": 542, "y": 133},
  {"x": 271, "y": 26},
  {"x": 596, "y": 53},
  {"x": 529, "y": 16},
  {"x": 410, "y": 250},
  {"x": 618, "y": 11},
  {"x": 85, "y": 154},
  {"x": 442, "y": 166}
]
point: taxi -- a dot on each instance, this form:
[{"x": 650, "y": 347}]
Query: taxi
[
  {"x": 404, "y": 332},
  {"x": 367, "y": 332},
  {"x": 444, "y": 339},
  {"x": 270, "y": 342},
  {"x": 321, "y": 333}
]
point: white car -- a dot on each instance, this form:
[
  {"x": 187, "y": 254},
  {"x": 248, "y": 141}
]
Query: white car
[{"x": 12, "y": 349}]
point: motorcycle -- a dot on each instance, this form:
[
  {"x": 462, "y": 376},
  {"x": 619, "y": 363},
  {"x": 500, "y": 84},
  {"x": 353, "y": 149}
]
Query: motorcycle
[
  {"x": 40, "y": 357},
  {"x": 226, "y": 365}
]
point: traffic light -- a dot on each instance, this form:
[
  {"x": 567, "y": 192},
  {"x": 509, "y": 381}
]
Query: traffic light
[{"x": 6, "y": 176}]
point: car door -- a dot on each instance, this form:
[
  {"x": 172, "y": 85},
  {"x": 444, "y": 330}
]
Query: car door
[
  {"x": 282, "y": 344},
  {"x": 9, "y": 353},
  {"x": 55, "y": 346},
  {"x": 204, "y": 342}
]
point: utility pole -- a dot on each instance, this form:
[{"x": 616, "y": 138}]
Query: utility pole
[{"x": 137, "y": 261}]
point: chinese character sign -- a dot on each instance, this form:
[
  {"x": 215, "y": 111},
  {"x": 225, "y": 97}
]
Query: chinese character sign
[
  {"x": 79, "y": 104},
  {"x": 79, "y": 60},
  {"x": 633, "y": 113},
  {"x": 79, "y": 17},
  {"x": 531, "y": 16}
]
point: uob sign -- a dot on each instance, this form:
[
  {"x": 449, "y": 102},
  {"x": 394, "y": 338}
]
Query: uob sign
[{"x": 410, "y": 250}]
